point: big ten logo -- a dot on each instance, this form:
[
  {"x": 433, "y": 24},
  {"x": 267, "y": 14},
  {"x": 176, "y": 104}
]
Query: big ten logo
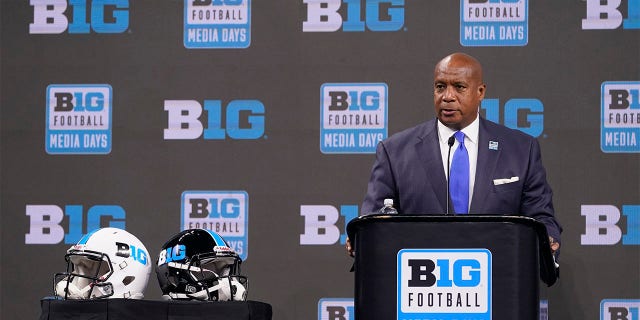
[
  {"x": 336, "y": 309},
  {"x": 78, "y": 119},
  {"x": 46, "y": 222},
  {"x": 444, "y": 281},
  {"x": 331, "y": 15},
  {"x": 320, "y": 223},
  {"x": 223, "y": 212},
  {"x": 130, "y": 251},
  {"x": 101, "y": 16},
  {"x": 354, "y": 117},
  {"x": 620, "y": 309},
  {"x": 242, "y": 119},
  {"x": 525, "y": 115},
  {"x": 217, "y": 23},
  {"x": 175, "y": 253},
  {"x": 620, "y": 123},
  {"x": 603, "y": 225},
  {"x": 607, "y": 14},
  {"x": 494, "y": 22}
]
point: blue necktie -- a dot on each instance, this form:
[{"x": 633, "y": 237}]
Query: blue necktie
[{"x": 459, "y": 176}]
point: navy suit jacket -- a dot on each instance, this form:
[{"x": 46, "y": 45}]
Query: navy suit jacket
[{"x": 408, "y": 168}]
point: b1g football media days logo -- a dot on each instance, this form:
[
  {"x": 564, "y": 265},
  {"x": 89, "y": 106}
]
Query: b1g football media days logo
[
  {"x": 444, "y": 284},
  {"x": 78, "y": 119},
  {"x": 331, "y": 15},
  {"x": 353, "y": 117},
  {"x": 336, "y": 309},
  {"x": 494, "y": 22},
  {"x": 101, "y": 16},
  {"x": 211, "y": 24},
  {"x": 620, "y": 309},
  {"x": 46, "y": 222},
  {"x": 223, "y": 212},
  {"x": 620, "y": 122}
]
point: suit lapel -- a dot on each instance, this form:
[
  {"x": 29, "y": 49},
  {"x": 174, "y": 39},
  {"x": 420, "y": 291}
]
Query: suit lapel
[
  {"x": 488, "y": 155},
  {"x": 428, "y": 150}
]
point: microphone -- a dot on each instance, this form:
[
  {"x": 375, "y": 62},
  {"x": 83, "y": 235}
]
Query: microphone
[{"x": 450, "y": 142}]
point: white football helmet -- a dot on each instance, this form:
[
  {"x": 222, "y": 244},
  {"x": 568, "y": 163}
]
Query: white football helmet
[{"x": 105, "y": 263}]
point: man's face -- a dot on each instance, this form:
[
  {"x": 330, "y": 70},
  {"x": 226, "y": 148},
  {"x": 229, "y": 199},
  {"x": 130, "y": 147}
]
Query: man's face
[{"x": 458, "y": 90}]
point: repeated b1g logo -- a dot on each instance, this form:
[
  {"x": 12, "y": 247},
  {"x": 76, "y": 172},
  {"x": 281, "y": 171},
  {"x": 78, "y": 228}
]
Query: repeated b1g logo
[
  {"x": 606, "y": 14},
  {"x": 379, "y": 15},
  {"x": 320, "y": 223},
  {"x": 353, "y": 117},
  {"x": 620, "y": 309},
  {"x": 101, "y": 16},
  {"x": 210, "y": 24},
  {"x": 620, "y": 116},
  {"x": 444, "y": 284},
  {"x": 336, "y": 309},
  {"x": 494, "y": 22},
  {"x": 526, "y": 115},
  {"x": 223, "y": 212},
  {"x": 78, "y": 119},
  {"x": 241, "y": 119},
  {"x": 46, "y": 222}
]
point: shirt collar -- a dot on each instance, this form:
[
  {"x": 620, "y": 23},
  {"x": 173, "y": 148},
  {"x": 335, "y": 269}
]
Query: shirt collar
[{"x": 470, "y": 131}]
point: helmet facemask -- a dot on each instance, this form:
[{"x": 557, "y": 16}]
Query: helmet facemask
[
  {"x": 85, "y": 277},
  {"x": 211, "y": 277}
]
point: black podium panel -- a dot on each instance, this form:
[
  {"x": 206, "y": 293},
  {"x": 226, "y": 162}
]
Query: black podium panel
[
  {"x": 128, "y": 309},
  {"x": 516, "y": 254}
]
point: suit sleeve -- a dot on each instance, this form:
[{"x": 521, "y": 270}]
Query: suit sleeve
[
  {"x": 381, "y": 182},
  {"x": 537, "y": 195}
]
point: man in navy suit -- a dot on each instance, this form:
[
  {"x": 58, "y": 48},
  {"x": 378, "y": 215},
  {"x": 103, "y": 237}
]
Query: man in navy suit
[{"x": 506, "y": 175}]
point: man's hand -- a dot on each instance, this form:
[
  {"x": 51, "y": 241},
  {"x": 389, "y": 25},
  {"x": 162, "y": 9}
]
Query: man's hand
[
  {"x": 552, "y": 243},
  {"x": 350, "y": 251}
]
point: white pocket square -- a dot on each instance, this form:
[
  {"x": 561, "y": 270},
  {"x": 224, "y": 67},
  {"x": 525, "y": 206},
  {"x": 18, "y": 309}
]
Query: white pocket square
[{"x": 504, "y": 181}]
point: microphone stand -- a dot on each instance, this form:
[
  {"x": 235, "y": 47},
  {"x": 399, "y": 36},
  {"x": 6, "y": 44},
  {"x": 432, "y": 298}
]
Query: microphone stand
[{"x": 450, "y": 143}]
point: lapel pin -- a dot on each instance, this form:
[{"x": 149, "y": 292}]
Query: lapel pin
[{"x": 493, "y": 145}]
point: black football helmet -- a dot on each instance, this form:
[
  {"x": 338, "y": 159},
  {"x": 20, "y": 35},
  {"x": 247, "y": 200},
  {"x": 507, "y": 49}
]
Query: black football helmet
[{"x": 198, "y": 264}]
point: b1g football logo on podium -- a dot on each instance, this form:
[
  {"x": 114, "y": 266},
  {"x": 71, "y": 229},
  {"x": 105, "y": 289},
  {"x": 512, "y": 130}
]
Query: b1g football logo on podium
[
  {"x": 620, "y": 122},
  {"x": 223, "y": 212},
  {"x": 444, "y": 284},
  {"x": 211, "y": 24},
  {"x": 78, "y": 119},
  {"x": 353, "y": 117},
  {"x": 494, "y": 22}
]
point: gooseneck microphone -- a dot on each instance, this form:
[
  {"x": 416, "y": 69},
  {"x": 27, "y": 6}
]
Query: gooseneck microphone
[{"x": 450, "y": 142}]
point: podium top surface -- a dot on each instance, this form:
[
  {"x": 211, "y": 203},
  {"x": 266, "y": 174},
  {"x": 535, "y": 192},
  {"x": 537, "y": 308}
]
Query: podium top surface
[{"x": 429, "y": 218}]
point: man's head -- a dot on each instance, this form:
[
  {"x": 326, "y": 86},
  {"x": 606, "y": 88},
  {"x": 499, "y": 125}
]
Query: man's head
[{"x": 457, "y": 90}]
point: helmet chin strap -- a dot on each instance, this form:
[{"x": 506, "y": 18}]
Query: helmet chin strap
[
  {"x": 224, "y": 292},
  {"x": 69, "y": 290}
]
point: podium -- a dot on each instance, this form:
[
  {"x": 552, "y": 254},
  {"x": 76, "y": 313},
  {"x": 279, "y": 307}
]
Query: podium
[
  {"x": 430, "y": 267},
  {"x": 130, "y": 309}
]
